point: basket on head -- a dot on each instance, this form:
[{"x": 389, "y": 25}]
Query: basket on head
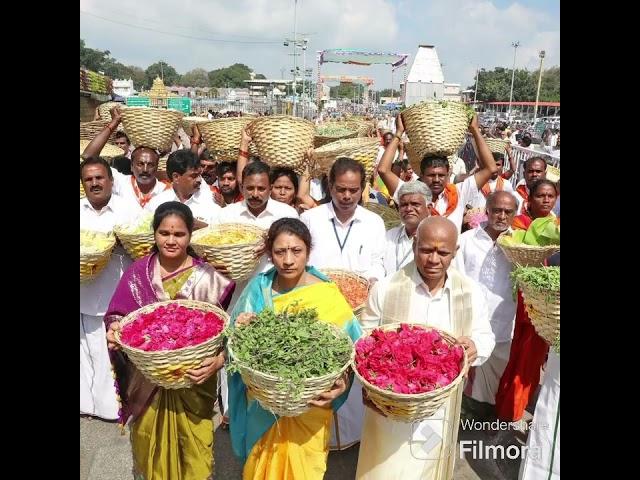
[
  {"x": 527, "y": 255},
  {"x": 89, "y": 130},
  {"x": 108, "y": 151},
  {"x": 282, "y": 141},
  {"x": 137, "y": 245},
  {"x": 408, "y": 408},
  {"x": 322, "y": 139},
  {"x": 277, "y": 395},
  {"x": 239, "y": 259},
  {"x": 543, "y": 308},
  {"x": 497, "y": 145},
  {"x": 151, "y": 127},
  {"x": 436, "y": 128},
  {"x": 188, "y": 122},
  {"x": 363, "y": 150},
  {"x": 362, "y": 127},
  {"x": 166, "y": 368},
  {"x": 92, "y": 263},
  {"x": 223, "y": 136},
  {"x": 390, "y": 216},
  {"x": 339, "y": 276},
  {"x": 104, "y": 110}
]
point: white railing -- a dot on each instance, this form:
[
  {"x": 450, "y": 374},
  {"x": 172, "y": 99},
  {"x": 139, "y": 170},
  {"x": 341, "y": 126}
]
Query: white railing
[{"x": 522, "y": 154}]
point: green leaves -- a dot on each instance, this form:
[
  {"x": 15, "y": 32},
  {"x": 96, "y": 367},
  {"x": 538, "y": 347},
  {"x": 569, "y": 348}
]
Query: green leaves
[
  {"x": 542, "y": 279},
  {"x": 292, "y": 344}
]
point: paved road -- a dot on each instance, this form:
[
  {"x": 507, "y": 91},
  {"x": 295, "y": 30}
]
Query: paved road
[{"x": 106, "y": 455}]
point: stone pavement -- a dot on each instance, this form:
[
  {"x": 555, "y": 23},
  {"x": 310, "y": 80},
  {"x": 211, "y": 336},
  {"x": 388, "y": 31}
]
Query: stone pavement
[{"x": 106, "y": 455}]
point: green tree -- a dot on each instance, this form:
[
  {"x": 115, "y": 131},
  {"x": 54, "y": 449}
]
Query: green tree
[
  {"x": 171, "y": 77},
  {"x": 260, "y": 76},
  {"x": 233, "y": 76},
  {"x": 346, "y": 90},
  {"x": 198, "y": 77},
  {"x": 495, "y": 85},
  {"x": 92, "y": 59}
]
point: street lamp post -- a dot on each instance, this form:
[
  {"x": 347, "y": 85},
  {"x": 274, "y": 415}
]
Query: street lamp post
[
  {"x": 515, "y": 46},
  {"x": 535, "y": 112},
  {"x": 475, "y": 94}
]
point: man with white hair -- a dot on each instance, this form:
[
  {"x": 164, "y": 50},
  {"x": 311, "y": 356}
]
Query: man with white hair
[
  {"x": 415, "y": 198},
  {"x": 425, "y": 291},
  {"x": 484, "y": 261}
]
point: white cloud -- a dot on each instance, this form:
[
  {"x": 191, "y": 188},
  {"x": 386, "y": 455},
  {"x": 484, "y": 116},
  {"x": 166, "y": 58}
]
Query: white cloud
[{"x": 465, "y": 32}]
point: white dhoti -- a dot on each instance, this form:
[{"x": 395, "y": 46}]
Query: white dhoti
[
  {"x": 224, "y": 390},
  {"x": 542, "y": 456},
  {"x": 391, "y": 450},
  {"x": 347, "y": 425},
  {"x": 484, "y": 380},
  {"x": 97, "y": 389}
]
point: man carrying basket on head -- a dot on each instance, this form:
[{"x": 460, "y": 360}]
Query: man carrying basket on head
[
  {"x": 449, "y": 200},
  {"x": 425, "y": 291}
]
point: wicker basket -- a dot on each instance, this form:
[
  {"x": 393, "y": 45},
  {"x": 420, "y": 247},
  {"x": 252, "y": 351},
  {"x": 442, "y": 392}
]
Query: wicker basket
[
  {"x": 89, "y": 130},
  {"x": 363, "y": 128},
  {"x": 320, "y": 140},
  {"x": 104, "y": 110},
  {"x": 497, "y": 145},
  {"x": 108, "y": 151},
  {"x": 239, "y": 259},
  {"x": 408, "y": 408},
  {"x": 390, "y": 216},
  {"x": 151, "y": 127},
  {"x": 223, "y": 136},
  {"x": 436, "y": 128},
  {"x": 91, "y": 264},
  {"x": 166, "y": 368},
  {"x": 543, "y": 308},
  {"x": 527, "y": 255},
  {"x": 272, "y": 393},
  {"x": 363, "y": 150},
  {"x": 188, "y": 122},
  {"x": 282, "y": 141},
  {"x": 137, "y": 245},
  {"x": 338, "y": 274}
]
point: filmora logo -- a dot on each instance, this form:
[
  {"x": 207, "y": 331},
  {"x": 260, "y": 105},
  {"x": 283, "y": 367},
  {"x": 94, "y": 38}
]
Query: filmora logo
[{"x": 477, "y": 450}]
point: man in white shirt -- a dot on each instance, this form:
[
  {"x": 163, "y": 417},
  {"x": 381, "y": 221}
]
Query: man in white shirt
[
  {"x": 122, "y": 141},
  {"x": 140, "y": 187},
  {"x": 415, "y": 198},
  {"x": 99, "y": 211},
  {"x": 425, "y": 291},
  {"x": 183, "y": 168},
  {"x": 497, "y": 183},
  {"x": 346, "y": 235},
  {"x": 257, "y": 208},
  {"x": 449, "y": 199},
  {"x": 482, "y": 260}
]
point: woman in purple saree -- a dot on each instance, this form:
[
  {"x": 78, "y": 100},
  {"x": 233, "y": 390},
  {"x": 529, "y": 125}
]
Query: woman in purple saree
[{"x": 171, "y": 430}]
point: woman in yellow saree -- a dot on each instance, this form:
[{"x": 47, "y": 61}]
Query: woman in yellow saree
[
  {"x": 171, "y": 430},
  {"x": 294, "y": 447}
]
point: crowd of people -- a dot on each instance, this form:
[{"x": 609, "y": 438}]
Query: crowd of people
[{"x": 437, "y": 268}]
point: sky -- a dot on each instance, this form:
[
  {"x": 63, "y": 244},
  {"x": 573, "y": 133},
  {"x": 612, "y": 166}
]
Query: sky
[{"x": 210, "y": 34}]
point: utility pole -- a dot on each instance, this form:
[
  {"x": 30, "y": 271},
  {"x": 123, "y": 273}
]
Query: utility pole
[
  {"x": 535, "y": 112},
  {"x": 515, "y": 46}
]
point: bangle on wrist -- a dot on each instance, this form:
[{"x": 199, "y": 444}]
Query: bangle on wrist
[
  {"x": 196, "y": 142},
  {"x": 244, "y": 153}
]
